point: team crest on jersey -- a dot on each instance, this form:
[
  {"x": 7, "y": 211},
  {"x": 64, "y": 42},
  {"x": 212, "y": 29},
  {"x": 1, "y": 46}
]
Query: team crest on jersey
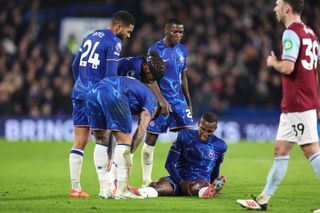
[
  {"x": 182, "y": 60},
  {"x": 210, "y": 154},
  {"x": 287, "y": 44},
  {"x": 131, "y": 73},
  {"x": 118, "y": 47}
]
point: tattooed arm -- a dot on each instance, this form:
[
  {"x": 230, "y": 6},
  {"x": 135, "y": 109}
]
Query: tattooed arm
[{"x": 141, "y": 130}]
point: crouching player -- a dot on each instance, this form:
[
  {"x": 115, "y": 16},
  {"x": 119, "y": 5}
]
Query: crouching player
[
  {"x": 110, "y": 104},
  {"x": 193, "y": 162}
]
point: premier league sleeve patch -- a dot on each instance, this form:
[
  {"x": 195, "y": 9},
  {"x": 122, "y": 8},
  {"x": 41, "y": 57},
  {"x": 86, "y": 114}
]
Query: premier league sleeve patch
[{"x": 287, "y": 45}]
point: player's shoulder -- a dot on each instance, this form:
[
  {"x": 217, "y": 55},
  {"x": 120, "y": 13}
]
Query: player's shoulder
[
  {"x": 300, "y": 29},
  {"x": 218, "y": 142},
  {"x": 182, "y": 46},
  {"x": 157, "y": 46},
  {"x": 187, "y": 133}
]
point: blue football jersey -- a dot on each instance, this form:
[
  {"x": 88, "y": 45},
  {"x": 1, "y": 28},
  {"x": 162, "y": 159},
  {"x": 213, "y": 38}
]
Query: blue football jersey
[
  {"x": 176, "y": 62},
  {"x": 197, "y": 159},
  {"x": 111, "y": 102},
  {"x": 131, "y": 66},
  {"x": 96, "y": 59}
]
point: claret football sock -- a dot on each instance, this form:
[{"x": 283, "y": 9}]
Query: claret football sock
[
  {"x": 315, "y": 162},
  {"x": 100, "y": 157},
  {"x": 276, "y": 175},
  {"x": 147, "y": 162},
  {"x": 75, "y": 161}
]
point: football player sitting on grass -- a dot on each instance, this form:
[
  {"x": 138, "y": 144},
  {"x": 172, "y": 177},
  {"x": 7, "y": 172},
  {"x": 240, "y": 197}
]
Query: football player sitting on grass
[{"x": 193, "y": 162}]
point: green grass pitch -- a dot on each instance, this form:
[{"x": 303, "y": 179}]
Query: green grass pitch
[{"x": 34, "y": 177}]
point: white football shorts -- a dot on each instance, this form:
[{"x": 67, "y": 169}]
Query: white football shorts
[{"x": 298, "y": 127}]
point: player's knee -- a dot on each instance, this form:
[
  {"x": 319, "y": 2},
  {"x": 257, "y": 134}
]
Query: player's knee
[{"x": 163, "y": 187}]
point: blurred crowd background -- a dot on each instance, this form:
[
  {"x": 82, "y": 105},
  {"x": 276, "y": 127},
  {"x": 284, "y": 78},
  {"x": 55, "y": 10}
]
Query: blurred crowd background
[{"x": 227, "y": 40}]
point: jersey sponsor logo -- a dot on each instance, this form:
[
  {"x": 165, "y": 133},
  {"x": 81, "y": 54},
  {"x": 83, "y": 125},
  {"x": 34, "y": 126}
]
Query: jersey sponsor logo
[
  {"x": 152, "y": 123},
  {"x": 287, "y": 44},
  {"x": 118, "y": 47}
]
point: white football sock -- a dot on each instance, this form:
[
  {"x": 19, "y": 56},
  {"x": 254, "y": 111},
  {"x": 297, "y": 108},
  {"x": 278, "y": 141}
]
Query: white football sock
[
  {"x": 100, "y": 157},
  {"x": 315, "y": 162},
  {"x": 275, "y": 176},
  {"x": 75, "y": 162},
  {"x": 147, "y": 162},
  {"x": 122, "y": 161}
]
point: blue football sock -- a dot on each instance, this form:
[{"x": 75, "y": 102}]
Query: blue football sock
[
  {"x": 276, "y": 174},
  {"x": 315, "y": 162}
]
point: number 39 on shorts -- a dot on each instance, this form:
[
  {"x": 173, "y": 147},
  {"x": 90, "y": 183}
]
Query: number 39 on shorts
[{"x": 298, "y": 129}]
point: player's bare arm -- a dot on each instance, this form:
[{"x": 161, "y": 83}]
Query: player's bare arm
[
  {"x": 141, "y": 130},
  {"x": 165, "y": 106},
  {"x": 185, "y": 89},
  {"x": 285, "y": 67}
]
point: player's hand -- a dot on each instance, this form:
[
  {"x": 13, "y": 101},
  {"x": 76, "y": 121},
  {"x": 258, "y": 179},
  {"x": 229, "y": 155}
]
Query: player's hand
[
  {"x": 270, "y": 59},
  {"x": 165, "y": 107},
  {"x": 185, "y": 187}
]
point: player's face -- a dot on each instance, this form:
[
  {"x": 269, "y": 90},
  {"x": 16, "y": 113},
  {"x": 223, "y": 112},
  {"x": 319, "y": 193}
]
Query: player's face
[
  {"x": 174, "y": 33},
  {"x": 206, "y": 130},
  {"x": 124, "y": 32},
  {"x": 147, "y": 76},
  {"x": 279, "y": 10}
]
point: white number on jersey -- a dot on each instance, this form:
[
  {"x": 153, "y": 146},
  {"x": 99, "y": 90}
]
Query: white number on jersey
[
  {"x": 312, "y": 52},
  {"x": 93, "y": 57}
]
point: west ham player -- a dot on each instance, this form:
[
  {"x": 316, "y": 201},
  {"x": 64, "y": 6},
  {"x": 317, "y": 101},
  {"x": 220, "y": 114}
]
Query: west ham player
[
  {"x": 135, "y": 66},
  {"x": 97, "y": 58},
  {"x": 193, "y": 163},
  {"x": 110, "y": 104},
  {"x": 298, "y": 121},
  {"x": 174, "y": 87}
]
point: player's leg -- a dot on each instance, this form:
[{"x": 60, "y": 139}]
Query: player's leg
[
  {"x": 123, "y": 161},
  {"x": 197, "y": 185},
  {"x": 81, "y": 135},
  {"x": 310, "y": 145},
  {"x": 278, "y": 170},
  {"x": 101, "y": 161},
  {"x": 312, "y": 152},
  {"x": 155, "y": 127},
  {"x": 147, "y": 153}
]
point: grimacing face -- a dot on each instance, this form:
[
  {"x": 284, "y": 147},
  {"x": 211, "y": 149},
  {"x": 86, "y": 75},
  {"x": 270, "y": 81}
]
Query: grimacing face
[
  {"x": 174, "y": 33},
  {"x": 206, "y": 129}
]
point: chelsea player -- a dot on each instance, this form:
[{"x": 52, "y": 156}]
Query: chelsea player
[
  {"x": 97, "y": 58},
  {"x": 193, "y": 162},
  {"x": 138, "y": 65},
  {"x": 174, "y": 87},
  {"x": 110, "y": 104}
]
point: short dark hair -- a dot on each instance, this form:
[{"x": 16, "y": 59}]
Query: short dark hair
[
  {"x": 297, "y": 5},
  {"x": 123, "y": 17},
  {"x": 156, "y": 65},
  {"x": 173, "y": 21},
  {"x": 210, "y": 117}
]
